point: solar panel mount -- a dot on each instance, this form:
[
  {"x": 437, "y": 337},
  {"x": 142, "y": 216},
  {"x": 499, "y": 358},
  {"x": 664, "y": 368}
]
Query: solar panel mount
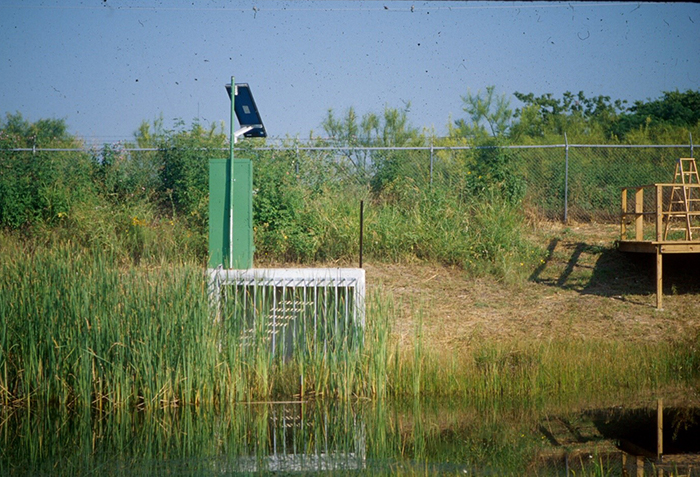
[{"x": 246, "y": 112}]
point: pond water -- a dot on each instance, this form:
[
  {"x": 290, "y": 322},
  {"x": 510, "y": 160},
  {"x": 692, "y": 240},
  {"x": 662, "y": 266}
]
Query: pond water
[{"x": 364, "y": 438}]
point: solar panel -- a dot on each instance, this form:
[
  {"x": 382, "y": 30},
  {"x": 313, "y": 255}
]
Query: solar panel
[{"x": 246, "y": 111}]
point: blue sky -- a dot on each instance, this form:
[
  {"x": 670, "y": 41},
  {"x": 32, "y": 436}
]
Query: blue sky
[{"x": 106, "y": 65}]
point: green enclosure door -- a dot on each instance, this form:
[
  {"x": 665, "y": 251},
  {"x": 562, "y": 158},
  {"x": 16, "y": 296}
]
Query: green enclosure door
[{"x": 219, "y": 207}]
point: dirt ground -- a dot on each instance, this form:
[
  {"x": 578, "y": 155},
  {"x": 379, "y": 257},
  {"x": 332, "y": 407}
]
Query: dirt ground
[{"x": 585, "y": 289}]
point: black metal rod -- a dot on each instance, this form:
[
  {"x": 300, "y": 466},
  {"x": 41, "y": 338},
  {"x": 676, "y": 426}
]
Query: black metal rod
[{"x": 362, "y": 227}]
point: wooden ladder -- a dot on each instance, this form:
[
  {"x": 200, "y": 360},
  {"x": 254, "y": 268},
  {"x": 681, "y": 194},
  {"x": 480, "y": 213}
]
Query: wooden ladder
[{"x": 685, "y": 199}]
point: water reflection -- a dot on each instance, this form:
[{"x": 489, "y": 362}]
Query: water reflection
[
  {"x": 306, "y": 438},
  {"x": 361, "y": 438},
  {"x": 248, "y": 438},
  {"x": 267, "y": 437}
]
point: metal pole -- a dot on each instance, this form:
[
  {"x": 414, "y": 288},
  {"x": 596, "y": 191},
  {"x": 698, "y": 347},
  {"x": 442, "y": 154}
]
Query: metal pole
[
  {"x": 691, "y": 144},
  {"x": 431, "y": 162},
  {"x": 566, "y": 180},
  {"x": 296, "y": 163},
  {"x": 362, "y": 226},
  {"x": 230, "y": 165}
]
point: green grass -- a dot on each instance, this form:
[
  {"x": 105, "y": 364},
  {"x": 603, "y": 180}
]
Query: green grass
[
  {"x": 484, "y": 235},
  {"x": 80, "y": 329},
  {"x": 565, "y": 372}
]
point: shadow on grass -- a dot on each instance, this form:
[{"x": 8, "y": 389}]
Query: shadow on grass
[{"x": 605, "y": 271}]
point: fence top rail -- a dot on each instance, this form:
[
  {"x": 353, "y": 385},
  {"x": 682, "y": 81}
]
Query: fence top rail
[
  {"x": 97, "y": 149},
  {"x": 631, "y": 146}
]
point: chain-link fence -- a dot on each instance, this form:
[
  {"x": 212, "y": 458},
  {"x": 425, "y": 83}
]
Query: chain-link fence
[
  {"x": 561, "y": 182},
  {"x": 569, "y": 182}
]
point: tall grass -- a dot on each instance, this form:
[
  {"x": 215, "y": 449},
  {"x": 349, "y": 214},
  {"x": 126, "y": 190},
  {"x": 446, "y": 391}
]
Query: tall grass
[
  {"x": 80, "y": 329},
  {"x": 552, "y": 373},
  {"x": 483, "y": 234}
]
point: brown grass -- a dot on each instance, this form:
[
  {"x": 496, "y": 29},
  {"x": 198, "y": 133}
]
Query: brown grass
[{"x": 585, "y": 289}]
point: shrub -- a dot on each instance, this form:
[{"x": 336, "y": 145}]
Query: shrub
[
  {"x": 41, "y": 187},
  {"x": 183, "y": 161},
  {"x": 283, "y": 226}
]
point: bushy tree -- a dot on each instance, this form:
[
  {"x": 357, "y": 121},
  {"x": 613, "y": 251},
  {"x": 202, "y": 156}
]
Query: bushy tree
[
  {"x": 573, "y": 114},
  {"x": 183, "y": 166},
  {"x": 489, "y": 115},
  {"x": 40, "y": 186},
  {"x": 490, "y": 168},
  {"x": 600, "y": 119},
  {"x": 43, "y": 133},
  {"x": 674, "y": 110}
]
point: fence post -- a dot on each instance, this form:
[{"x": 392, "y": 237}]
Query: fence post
[
  {"x": 691, "y": 144},
  {"x": 431, "y": 162},
  {"x": 566, "y": 179},
  {"x": 296, "y": 163}
]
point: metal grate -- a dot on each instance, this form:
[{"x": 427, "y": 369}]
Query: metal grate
[{"x": 313, "y": 310}]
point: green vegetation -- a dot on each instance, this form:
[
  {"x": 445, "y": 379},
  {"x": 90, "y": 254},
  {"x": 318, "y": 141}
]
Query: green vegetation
[
  {"x": 101, "y": 255},
  {"x": 41, "y": 188},
  {"x": 600, "y": 120},
  {"x": 153, "y": 204},
  {"x": 344, "y": 439},
  {"x": 79, "y": 330}
]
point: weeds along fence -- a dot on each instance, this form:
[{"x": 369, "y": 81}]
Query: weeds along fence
[{"x": 578, "y": 182}]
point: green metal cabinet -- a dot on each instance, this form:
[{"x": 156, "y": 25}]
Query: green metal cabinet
[{"x": 219, "y": 209}]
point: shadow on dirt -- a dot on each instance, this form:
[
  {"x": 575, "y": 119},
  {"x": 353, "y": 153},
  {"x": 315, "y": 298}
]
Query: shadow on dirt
[{"x": 605, "y": 271}]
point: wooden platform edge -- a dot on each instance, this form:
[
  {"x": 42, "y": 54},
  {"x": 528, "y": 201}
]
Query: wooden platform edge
[
  {"x": 636, "y": 246},
  {"x": 659, "y": 249}
]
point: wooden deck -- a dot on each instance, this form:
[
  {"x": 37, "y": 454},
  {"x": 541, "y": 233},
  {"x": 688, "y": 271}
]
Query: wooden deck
[
  {"x": 661, "y": 247},
  {"x": 660, "y": 219}
]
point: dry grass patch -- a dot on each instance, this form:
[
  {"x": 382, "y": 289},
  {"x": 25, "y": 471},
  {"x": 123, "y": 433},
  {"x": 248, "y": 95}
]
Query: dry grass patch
[{"x": 585, "y": 289}]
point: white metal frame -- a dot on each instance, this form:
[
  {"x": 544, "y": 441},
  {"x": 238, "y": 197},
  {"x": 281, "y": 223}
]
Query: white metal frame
[{"x": 348, "y": 278}]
